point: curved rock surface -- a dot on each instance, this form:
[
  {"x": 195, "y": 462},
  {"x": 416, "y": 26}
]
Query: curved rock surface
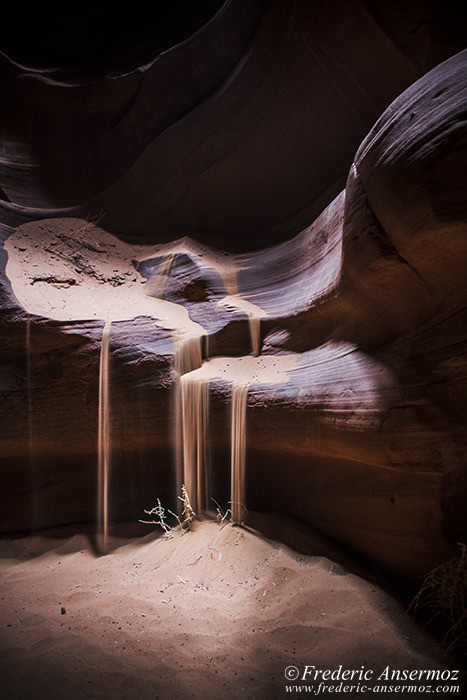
[
  {"x": 365, "y": 439},
  {"x": 250, "y": 125}
]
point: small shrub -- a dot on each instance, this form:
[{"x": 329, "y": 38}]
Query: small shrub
[
  {"x": 183, "y": 522},
  {"x": 223, "y": 516},
  {"x": 443, "y": 596}
]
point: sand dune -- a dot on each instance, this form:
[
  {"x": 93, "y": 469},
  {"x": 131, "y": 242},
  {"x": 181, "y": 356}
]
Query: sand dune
[{"x": 219, "y": 612}]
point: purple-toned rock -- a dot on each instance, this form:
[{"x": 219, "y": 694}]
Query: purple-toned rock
[{"x": 363, "y": 436}]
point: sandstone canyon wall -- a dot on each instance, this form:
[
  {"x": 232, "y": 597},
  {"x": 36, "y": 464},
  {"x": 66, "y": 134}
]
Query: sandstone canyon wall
[{"x": 363, "y": 437}]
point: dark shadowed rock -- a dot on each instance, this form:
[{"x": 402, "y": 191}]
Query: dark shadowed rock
[{"x": 244, "y": 131}]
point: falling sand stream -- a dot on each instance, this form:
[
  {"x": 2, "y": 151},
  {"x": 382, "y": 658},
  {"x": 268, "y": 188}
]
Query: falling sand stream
[
  {"x": 193, "y": 403},
  {"x": 193, "y": 417},
  {"x": 237, "y": 452},
  {"x": 33, "y": 473},
  {"x": 238, "y": 429},
  {"x": 192, "y": 411},
  {"x": 103, "y": 444}
]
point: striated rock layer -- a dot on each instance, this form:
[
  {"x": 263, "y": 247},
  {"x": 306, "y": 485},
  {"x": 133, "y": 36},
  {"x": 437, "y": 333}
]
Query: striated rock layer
[
  {"x": 241, "y": 133},
  {"x": 364, "y": 438}
]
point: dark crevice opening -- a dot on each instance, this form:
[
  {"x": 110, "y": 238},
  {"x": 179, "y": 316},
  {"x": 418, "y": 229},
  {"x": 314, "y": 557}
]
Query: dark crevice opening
[{"x": 75, "y": 38}]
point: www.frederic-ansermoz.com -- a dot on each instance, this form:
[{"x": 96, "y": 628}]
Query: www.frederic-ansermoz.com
[{"x": 363, "y": 680}]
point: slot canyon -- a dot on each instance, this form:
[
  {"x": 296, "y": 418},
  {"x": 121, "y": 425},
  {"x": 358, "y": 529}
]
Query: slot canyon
[{"x": 233, "y": 301}]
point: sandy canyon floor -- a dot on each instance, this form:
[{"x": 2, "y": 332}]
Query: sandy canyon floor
[{"x": 218, "y": 612}]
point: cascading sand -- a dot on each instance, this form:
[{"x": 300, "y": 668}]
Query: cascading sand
[
  {"x": 70, "y": 269},
  {"x": 241, "y": 373},
  {"x": 103, "y": 444},
  {"x": 36, "y": 513},
  {"x": 237, "y": 452},
  {"x": 192, "y": 411},
  {"x": 195, "y": 427},
  {"x": 192, "y": 403}
]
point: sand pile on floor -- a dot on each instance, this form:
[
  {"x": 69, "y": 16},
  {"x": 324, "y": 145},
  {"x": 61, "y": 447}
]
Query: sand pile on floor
[{"x": 219, "y": 612}]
